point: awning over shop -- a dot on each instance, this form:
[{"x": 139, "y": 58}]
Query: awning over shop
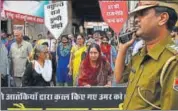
[{"x": 30, "y": 11}]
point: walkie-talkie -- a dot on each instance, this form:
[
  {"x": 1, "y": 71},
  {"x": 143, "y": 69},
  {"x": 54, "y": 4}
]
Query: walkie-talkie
[{"x": 126, "y": 37}]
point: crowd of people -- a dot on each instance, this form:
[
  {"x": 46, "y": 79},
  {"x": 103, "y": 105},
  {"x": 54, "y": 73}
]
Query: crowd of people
[
  {"x": 147, "y": 62},
  {"x": 75, "y": 60},
  {"x": 66, "y": 61}
]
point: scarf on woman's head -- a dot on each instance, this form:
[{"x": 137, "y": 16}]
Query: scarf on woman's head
[
  {"x": 87, "y": 71},
  {"x": 87, "y": 66}
]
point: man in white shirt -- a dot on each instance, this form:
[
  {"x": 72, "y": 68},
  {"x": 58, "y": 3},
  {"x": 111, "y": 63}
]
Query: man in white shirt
[{"x": 19, "y": 52}]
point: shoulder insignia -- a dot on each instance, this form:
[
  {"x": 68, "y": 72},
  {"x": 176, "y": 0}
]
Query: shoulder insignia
[
  {"x": 172, "y": 48},
  {"x": 175, "y": 84}
]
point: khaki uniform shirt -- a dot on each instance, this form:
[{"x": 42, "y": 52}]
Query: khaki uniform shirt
[
  {"x": 145, "y": 69},
  {"x": 19, "y": 54}
]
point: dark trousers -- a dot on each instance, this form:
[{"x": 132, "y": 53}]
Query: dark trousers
[
  {"x": 54, "y": 67},
  {"x": 4, "y": 80}
]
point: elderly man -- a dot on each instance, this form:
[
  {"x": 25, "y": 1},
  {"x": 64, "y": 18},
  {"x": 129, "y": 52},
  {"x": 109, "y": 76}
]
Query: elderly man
[
  {"x": 19, "y": 52},
  {"x": 152, "y": 74}
]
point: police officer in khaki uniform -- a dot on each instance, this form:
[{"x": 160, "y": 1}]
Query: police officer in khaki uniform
[{"x": 153, "y": 72}]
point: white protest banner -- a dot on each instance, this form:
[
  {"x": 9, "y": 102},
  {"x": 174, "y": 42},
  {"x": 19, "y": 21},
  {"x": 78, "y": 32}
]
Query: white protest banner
[{"x": 56, "y": 17}]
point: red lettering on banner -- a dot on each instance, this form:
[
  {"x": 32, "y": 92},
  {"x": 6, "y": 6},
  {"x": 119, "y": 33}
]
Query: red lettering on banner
[
  {"x": 29, "y": 18},
  {"x": 34, "y": 19},
  {"x": 40, "y": 20},
  {"x": 17, "y": 16},
  {"x": 24, "y": 17},
  {"x": 9, "y": 15}
]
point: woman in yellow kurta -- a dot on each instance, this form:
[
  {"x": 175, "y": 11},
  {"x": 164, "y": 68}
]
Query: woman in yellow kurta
[{"x": 76, "y": 56}]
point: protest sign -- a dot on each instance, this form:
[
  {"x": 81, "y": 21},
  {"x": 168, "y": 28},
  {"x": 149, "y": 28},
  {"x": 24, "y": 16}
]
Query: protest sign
[
  {"x": 56, "y": 17},
  {"x": 114, "y": 13}
]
